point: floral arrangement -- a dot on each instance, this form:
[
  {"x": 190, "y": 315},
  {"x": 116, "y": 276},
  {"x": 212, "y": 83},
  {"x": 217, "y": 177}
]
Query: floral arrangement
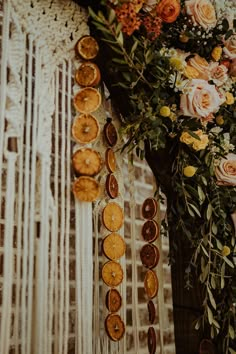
[{"x": 174, "y": 62}]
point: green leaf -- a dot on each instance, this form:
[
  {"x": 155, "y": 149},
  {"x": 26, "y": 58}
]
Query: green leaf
[
  {"x": 232, "y": 351},
  {"x": 195, "y": 209},
  {"x": 213, "y": 282},
  {"x": 212, "y": 300},
  {"x": 209, "y": 211},
  {"x": 112, "y": 16},
  {"x": 120, "y": 39},
  {"x": 134, "y": 46},
  {"x": 197, "y": 325},
  {"x": 116, "y": 50},
  {"x": 94, "y": 16},
  {"x": 118, "y": 61},
  {"x": 118, "y": 28},
  {"x": 210, "y": 315},
  {"x": 201, "y": 194},
  {"x": 216, "y": 324},
  {"x": 231, "y": 332},
  {"x": 214, "y": 228},
  {"x": 228, "y": 262},
  {"x": 222, "y": 275},
  {"x": 204, "y": 180}
]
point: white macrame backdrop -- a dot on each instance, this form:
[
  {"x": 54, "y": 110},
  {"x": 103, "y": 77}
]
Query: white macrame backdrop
[{"x": 42, "y": 229}]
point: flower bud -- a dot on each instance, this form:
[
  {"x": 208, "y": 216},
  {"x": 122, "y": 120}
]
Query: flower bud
[
  {"x": 165, "y": 111},
  {"x": 189, "y": 171}
]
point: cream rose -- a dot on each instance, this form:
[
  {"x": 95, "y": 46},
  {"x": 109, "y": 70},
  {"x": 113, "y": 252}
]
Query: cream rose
[
  {"x": 233, "y": 68},
  {"x": 230, "y": 47},
  {"x": 218, "y": 73},
  {"x": 226, "y": 171},
  {"x": 201, "y": 66},
  {"x": 202, "y": 12},
  {"x": 201, "y": 100}
]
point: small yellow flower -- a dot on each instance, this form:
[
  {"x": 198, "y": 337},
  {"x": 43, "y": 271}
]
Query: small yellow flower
[
  {"x": 173, "y": 116},
  {"x": 216, "y": 53},
  {"x": 186, "y": 138},
  {"x": 165, "y": 111},
  {"x": 183, "y": 38},
  {"x": 229, "y": 98},
  {"x": 189, "y": 171},
  {"x": 176, "y": 63},
  {"x": 225, "y": 251},
  {"x": 220, "y": 120}
]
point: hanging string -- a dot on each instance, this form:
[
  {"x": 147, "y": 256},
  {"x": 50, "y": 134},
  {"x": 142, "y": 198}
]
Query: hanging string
[
  {"x": 8, "y": 255},
  {"x": 135, "y": 315}
]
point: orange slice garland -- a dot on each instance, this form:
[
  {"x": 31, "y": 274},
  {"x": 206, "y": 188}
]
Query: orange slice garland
[
  {"x": 110, "y": 159},
  {"x": 85, "y": 129},
  {"x": 114, "y": 326},
  {"x": 151, "y": 284},
  {"x": 112, "y": 273},
  {"x": 114, "y": 246},
  {"x": 113, "y": 216},
  {"x": 87, "y": 47},
  {"x": 113, "y": 300},
  {"x": 86, "y": 162},
  {"x": 88, "y": 74},
  {"x": 149, "y": 208},
  {"x": 112, "y": 186},
  {"x": 87, "y": 100},
  {"x": 86, "y": 189}
]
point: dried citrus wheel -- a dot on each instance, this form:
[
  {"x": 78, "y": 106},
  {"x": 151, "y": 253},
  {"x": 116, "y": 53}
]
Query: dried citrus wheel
[
  {"x": 87, "y": 47},
  {"x": 152, "y": 342},
  {"x": 86, "y": 189},
  {"x": 151, "y": 284},
  {"x": 85, "y": 129},
  {"x": 87, "y": 100},
  {"x": 88, "y": 74},
  {"x": 112, "y": 186},
  {"x": 150, "y": 230},
  {"x": 113, "y": 217},
  {"x": 113, "y": 300},
  {"x": 112, "y": 273},
  {"x": 110, "y": 133},
  {"x": 149, "y": 208},
  {"x": 115, "y": 327},
  {"x": 110, "y": 159},
  {"x": 113, "y": 246},
  {"x": 149, "y": 255},
  {"x": 86, "y": 162},
  {"x": 151, "y": 311}
]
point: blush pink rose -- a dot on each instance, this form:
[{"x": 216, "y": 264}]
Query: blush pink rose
[
  {"x": 230, "y": 47},
  {"x": 202, "y": 12},
  {"x": 233, "y": 68},
  {"x": 218, "y": 73},
  {"x": 201, "y": 100},
  {"x": 226, "y": 171}
]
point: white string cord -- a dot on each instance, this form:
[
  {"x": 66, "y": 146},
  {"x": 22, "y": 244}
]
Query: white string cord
[{"x": 8, "y": 255}]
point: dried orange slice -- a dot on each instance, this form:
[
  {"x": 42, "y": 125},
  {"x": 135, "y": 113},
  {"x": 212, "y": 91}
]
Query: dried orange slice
[
  {"x": 86, "y": 162},
  {"x": 110, "y": 133},
  {"x": 113, "y": 300},
  {"x": 152, "y": 342},
  {"x": 151, "y": 311},
  {"x": 149, "y": 208},
  {"x": 110, "y": 159},
  {"x": 150, "y": 230},
  {"x": 85, "y": 129},
  {"x": 115, "y": 327},
  {"x": 149, "y": 255},
  {"x": 114, "y": 246},
  {"x": 87, "y": 47},
  {"x": 112, "y": 273},
  {"x": 151, "y": 284},
  {"x": 87, "y": 100},
  {"x": 88, "y": 74},
  {"x": 86, "y": 189},
  {"x": 112, "y": 186},
  {"x": 113, "y": 217}
]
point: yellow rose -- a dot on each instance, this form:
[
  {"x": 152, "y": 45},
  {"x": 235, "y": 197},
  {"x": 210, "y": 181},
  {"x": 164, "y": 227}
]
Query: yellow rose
[
  {"x": 202, "y": 143},
  {"x": 189, "y": 171},
  {"x": 186, "y": 138},
  {"x": 216, "y": 53},
  {"x": 225, "y": 251},
  {"x": 165, "y": 111},
  {"x": 191, "y": 73},
  {"x": 229, "y": 98}
]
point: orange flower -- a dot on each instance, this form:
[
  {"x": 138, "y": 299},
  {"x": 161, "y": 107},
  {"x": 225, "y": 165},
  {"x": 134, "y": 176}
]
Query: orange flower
[{"x": 168, "y": 10}]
